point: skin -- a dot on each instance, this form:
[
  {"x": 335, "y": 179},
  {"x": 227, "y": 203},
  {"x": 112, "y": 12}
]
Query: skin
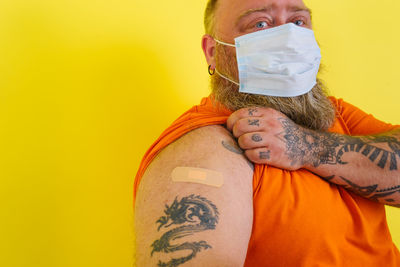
[
  {"x": 228, "y": 26},
  {"x": 189, "y": 224},
  {"x": 205, "y": 230},
  {"x": 367, "y": 165}
]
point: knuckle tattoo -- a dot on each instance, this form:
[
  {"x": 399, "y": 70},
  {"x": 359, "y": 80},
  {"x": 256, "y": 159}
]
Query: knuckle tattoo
[
  {"x": 256, "y": 138},
  {"x": 254, "y": 122},
  {"x": 265, "y": 154},
  {"x": 252, "y": 111}
]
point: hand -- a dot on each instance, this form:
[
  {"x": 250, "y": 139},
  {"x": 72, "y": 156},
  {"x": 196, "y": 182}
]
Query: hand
[{"x": 269, "y": 137}]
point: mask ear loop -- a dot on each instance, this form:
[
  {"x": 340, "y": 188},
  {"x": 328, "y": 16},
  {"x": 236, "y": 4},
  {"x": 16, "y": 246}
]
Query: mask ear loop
[
  {"x": 223, "y": 43},
  {"x": 226, "y": 78},
  {"x": 216, "y": 71}
]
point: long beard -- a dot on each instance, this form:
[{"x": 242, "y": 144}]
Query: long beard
[{"x": 312, "y": 110}]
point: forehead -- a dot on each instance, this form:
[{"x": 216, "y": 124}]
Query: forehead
[
  {"x": 229, "y": 10},
  {"x": 231, "y": 6}
]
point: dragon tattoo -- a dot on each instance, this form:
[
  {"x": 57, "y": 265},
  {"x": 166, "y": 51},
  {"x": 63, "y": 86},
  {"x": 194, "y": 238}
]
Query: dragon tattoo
[{"x": 190, "y": 215}]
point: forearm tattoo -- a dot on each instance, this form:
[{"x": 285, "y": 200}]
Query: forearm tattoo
[
  {"x": 318, "y": 148},
  {"x": 190, "y": 215},
  {"x": 370, "y": 192}
]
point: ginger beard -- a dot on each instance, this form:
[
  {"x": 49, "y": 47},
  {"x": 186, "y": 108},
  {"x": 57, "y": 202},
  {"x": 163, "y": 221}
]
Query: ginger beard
[{"x": 312, "y": 110}]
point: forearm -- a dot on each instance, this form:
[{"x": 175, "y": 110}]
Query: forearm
[{"x": 367, "y": 165}]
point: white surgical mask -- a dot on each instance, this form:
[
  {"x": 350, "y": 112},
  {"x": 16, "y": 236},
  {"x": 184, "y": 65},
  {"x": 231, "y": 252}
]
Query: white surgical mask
[{"x": 281, "y": 61}]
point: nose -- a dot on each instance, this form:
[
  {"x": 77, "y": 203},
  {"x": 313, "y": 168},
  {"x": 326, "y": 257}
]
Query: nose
[{"x": 280, "y": 20}]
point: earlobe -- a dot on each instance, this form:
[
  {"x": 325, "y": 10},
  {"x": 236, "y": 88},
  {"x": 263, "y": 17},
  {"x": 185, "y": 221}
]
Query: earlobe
[
  {"x": 211, "y": 70},
  {"x": 208, "y": 45}
]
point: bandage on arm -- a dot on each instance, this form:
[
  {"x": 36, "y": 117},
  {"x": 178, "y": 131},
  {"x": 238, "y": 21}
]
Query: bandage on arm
[{"x": 194, "y": 203}]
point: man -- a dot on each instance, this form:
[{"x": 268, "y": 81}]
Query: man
[{"x": 263, "y": 180}]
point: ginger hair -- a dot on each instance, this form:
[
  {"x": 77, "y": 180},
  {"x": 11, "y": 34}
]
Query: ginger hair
[{"x": 209, "y": 16}]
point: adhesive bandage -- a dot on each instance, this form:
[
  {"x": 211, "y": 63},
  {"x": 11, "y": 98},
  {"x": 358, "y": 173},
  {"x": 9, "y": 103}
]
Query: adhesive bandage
[{"x": 197, "y": 175}]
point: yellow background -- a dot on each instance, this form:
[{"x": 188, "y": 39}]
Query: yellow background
[{"x": 87, "y": 85}]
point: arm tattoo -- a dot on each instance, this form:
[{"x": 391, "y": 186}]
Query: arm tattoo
[
  {"x": 327, "y": 178},
  {"x": 361, "y": 190},
  {"x": 371, "y": 191},
  {"x": 317, "y": 148},
  {"x": 233, "y": 147},
  {"x": 190, "y": 215},
  {"x": 254, "y": 122},
  {"x": 308, "y": 147}
]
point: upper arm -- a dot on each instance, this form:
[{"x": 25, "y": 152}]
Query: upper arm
[{"x": 192, "y": 223}]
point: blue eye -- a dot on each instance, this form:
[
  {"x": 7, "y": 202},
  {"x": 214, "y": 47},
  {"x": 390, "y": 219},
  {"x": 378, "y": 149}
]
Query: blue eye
[
  {"x": 261, "y": 24},
  {"x": 299, "y": 22}
]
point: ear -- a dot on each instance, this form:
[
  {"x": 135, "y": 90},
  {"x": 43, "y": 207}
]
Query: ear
[{"x": 208, "y": 44}]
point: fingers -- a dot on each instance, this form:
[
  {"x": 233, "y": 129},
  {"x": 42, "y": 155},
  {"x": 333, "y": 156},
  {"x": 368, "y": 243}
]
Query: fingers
[
  {"x": 256, "y": 147},
  {"x": 259, "y": 155},
  {"x": 254, "y": 116},
  {"x": 247, "y": 125},
  {"x": 258, "y": 131},
  {"x": 241, "y": 114},
  {"x": 252, "y": 140}
]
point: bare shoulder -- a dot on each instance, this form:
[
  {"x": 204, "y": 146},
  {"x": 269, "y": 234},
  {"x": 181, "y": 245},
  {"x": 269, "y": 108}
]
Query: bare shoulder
[
  {"x": 210, "y": 146},
  {"x": 228, "y": 208}
]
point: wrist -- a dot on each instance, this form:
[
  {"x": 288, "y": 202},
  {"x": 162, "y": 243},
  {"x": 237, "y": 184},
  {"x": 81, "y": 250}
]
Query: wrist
[{"x": 318, "y": 149}]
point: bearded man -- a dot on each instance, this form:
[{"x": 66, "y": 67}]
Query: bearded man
[{"x": 267, "y": 170}]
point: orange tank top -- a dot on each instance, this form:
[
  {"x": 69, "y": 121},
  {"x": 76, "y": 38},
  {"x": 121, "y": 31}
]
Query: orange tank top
[{"x": 300, "y": 219}]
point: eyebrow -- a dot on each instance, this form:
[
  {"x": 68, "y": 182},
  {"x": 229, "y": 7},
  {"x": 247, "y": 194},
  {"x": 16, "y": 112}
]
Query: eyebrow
[
  {"x": 300, "y": 9},
  {"x": 267, "y": 9}
]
